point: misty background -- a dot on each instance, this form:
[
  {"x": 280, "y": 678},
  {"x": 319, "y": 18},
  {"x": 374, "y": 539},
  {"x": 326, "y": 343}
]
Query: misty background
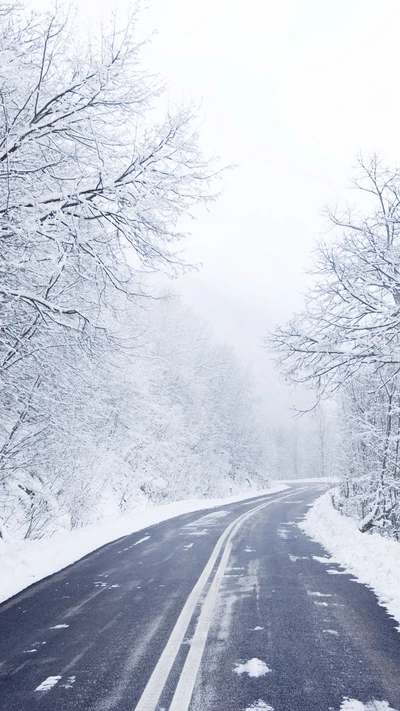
[{"x": 290, "y": 93}]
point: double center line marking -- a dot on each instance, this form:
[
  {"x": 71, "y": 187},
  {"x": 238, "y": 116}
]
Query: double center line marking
[{"x": 184, "y": 689}]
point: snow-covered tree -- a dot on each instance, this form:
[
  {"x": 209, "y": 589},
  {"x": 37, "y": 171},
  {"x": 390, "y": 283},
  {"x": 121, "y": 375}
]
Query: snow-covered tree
[
  {"x": 93, "y": 190},
  {"x": 352, "y": 313},
  {"x": 112, "y": 396},
  {"x": 348, "y": 341}
]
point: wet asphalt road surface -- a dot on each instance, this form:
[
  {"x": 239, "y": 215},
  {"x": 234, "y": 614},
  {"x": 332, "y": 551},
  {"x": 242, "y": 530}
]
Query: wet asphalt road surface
[{"x": 169, "y": 617}]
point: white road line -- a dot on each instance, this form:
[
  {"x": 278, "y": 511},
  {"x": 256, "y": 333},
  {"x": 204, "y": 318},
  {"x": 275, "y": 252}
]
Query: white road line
[
  {"x": 145, "y": 538},
  {"x": 184, "y": 689},
  {"x": 48, "y": 683},
  {"x": 151, "y": 694}
]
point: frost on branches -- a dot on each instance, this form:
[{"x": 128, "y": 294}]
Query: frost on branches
[
  {"x": 102, "y": 401},
  {"x": 346, "y": 344}
]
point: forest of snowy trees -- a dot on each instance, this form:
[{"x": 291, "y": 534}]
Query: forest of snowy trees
[
  {"x": 112, "y": 394},
  {"x": 346, "y": 345}
]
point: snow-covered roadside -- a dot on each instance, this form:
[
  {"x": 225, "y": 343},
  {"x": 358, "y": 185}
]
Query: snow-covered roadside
[
  {"x": 22, "y": 564},
  {"x": 372, "y": 559}
]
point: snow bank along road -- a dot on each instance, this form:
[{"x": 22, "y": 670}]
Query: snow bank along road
[{"x": 226, "y": 610}]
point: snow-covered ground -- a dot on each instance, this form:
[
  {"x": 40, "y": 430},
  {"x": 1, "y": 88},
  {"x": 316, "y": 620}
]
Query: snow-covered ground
[
  {"x": 372, "y": 559},
  {"x": 24, "y": 563}
]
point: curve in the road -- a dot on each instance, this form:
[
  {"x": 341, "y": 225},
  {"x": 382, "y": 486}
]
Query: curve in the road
[{"x": 184, "y": 689}]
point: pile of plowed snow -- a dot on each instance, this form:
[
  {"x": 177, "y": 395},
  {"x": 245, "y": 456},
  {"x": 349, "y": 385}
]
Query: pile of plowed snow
[{"x": 372, "y": 559}]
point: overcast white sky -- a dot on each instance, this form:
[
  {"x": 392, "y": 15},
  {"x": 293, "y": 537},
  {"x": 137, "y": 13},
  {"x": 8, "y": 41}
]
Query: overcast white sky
[{"x": 290, "y": 91}]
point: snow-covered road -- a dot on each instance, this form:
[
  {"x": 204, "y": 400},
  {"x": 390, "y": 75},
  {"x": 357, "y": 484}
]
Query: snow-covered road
[{"x": 226, "y": 610}]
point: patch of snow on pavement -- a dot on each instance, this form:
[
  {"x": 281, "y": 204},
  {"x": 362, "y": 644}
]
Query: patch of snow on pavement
[
  {"x": 26, "y": 562},
  {"x": 370, "y": 558},
  {"x": 354, "y": 705},
  {"x": 48, "y": 683},
  {"x": 145, "y": 538},
  {"x": 254, "y": 667},
  {"x": 283, "y": 533},
  {"x": 208, "y": 519}
]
